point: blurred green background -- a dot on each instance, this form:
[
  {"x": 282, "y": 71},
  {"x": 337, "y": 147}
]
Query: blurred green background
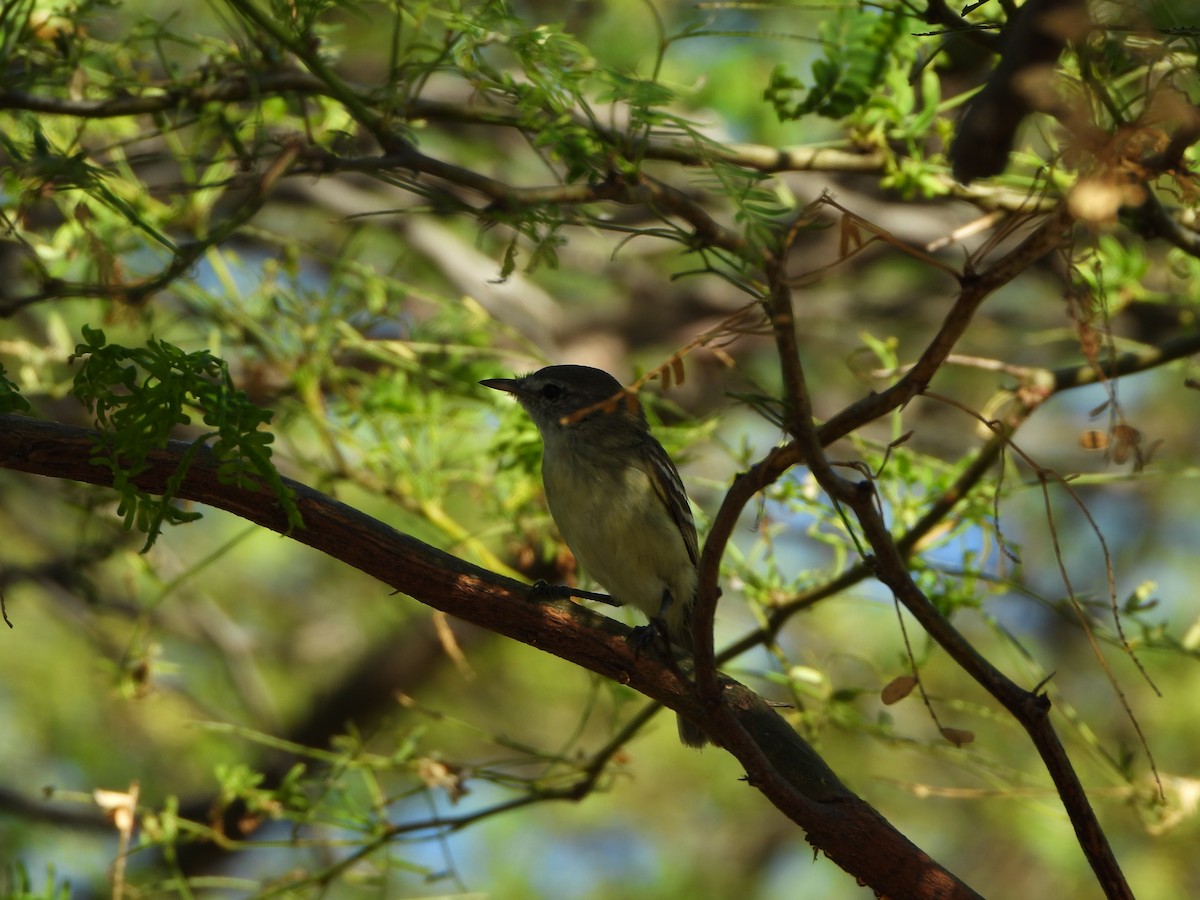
[{"x": 363, "y": 306}]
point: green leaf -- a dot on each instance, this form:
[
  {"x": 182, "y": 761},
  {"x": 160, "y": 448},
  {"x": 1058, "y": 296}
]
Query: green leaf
[
  {"x": 858, "y": 48},
  {"x": 10, "y": 395},
  {"x": 140, "y": 395}
]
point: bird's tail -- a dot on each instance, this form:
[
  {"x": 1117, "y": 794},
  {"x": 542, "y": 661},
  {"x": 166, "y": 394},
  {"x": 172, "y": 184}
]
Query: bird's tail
[{"x": 690, "y": 734}]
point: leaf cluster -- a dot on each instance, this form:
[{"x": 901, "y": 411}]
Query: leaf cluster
[
  {"x": 859, "y": 50},
  {"x": 10, "y": 395},
  {"x": 140, "y": 396}
]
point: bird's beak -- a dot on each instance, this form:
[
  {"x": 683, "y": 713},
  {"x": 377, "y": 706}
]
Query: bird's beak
[{"x": 508, "y": 385}]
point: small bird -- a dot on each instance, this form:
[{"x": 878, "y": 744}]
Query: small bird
[{"x": 616, "y": 497}]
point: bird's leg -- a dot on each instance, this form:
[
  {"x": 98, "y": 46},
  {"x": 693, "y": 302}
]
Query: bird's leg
[{"x": 643, "y": 636}]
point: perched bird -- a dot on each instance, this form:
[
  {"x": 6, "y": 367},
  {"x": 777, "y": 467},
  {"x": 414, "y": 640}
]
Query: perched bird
[{"x": 616, "y": 497}]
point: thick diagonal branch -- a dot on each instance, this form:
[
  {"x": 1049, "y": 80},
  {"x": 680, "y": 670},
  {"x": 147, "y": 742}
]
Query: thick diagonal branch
[{"x": 837, "y": 822}]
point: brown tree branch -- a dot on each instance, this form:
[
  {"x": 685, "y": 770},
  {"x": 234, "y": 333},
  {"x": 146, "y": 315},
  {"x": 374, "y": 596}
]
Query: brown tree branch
[
  {"x": 976, "y": 287},
  {"x": 1033, "y": 41},
  {"x": 889, "y": 561},
  {"x": 195, "y": 93},
  {"x": 1031, "y": 710},
  {"x": 796, "y": 779},
  {"x": 937, "y": 12},
  {"x": 1037, "y": 386}
]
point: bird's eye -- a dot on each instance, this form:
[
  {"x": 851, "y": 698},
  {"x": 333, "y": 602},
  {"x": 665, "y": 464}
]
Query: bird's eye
[{"x": 551, "y": 391}]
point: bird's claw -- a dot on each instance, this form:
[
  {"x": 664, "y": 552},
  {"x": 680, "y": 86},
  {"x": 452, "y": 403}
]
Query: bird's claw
[
  {"x": 543, "y": 591},
  {"x": 654, "y": 635}
]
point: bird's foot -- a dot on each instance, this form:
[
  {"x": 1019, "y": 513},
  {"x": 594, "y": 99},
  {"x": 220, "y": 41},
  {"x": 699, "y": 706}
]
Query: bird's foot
[
  {"x": 653, "y": 636},
  {"x": 544, "y": 592}
]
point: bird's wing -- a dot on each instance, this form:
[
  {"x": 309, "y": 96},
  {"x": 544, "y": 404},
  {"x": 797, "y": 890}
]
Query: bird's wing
[{"x": 669, "y": 487}]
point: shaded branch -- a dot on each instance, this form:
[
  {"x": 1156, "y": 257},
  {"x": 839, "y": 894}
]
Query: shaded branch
[
  {"x": 1154, "y": 220},
  {"x": 1051, "y": 234},
  {"x": 938, "y": 13},
  {"x": 1031, "y": 710},
  {"x": 1033, "y": 41},
  {"x": 1037, "y": 386},
  {"x": 184, "y": 255},
  {"x": 192, "y": 95},
  {"x": 889, "y": 563},
  {"x": 640, "y": 191}
]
